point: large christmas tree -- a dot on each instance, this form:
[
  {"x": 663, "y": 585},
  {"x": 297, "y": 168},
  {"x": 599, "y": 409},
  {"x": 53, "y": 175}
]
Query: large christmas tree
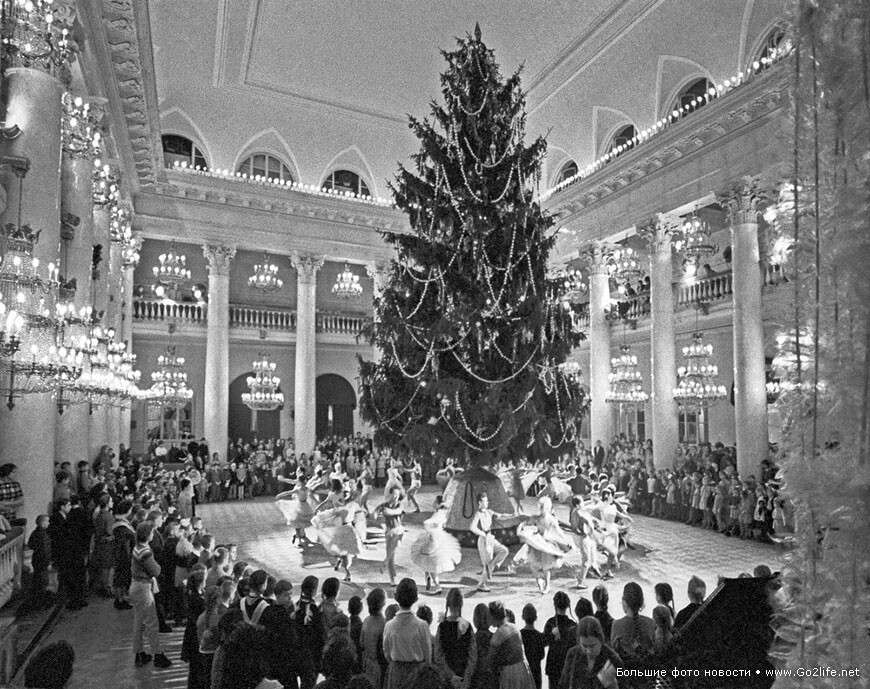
[{"x": 470, "y": 331}]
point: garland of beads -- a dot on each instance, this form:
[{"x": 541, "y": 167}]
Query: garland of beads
[
  {"x": 497, "y": 381},
  {"x": 457, "y": 434},
  {"x": 475, "y": 435},
  {"x": 402, "y": 368},
  {"x": 471, "y": 113}
]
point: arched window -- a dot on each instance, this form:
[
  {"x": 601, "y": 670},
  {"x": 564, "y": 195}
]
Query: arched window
[
  {"x": 265, "y": 165},
  {"x": 345, "y": 180},
  {"x": 622, "y": 137},
  {"x": 692, "y": 95},
  {"x": 568, "y": 170},
  {"x": 180, "y": 149},
  {"x": 773, "y": 47}
]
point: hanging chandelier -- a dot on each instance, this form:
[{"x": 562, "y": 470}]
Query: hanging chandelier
[
  {"x": 36, "y": 33},
  {"x": 697, "y": 388},
  {"x": 263, "y": 386},
  {"x": 169, "y": 382},
  {"x": 573, "y": 285},
  {"x": 32, "y": 308},
  {"x": 347, "y": 284},
  {"x": 625, "y": 381},
  {"x": 105, "y": 189},
  {"x": 80, "y": 127},
  {"x": 623, "y": 264},
  {"x": 265, "y": 277},
  {"x": 130, "y": 252},
  {"x": 171, "y": 268},
  {"x": 695, "y": 243}
]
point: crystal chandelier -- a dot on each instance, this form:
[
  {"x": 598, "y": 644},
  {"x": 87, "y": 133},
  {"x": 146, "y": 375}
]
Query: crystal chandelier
[
  {"x": 625, "y": 381},
  {"x": 169, "y": 382},
  {"x": 80, "y": 127},
  {"x": 695, "y": 243},
  {"x": 347, "y": 284},
  {"x": 36, "y": 33},
  {"x": 263, "y": 386},
  {"x": 172, "y": 267},
  {"x": 623, "y": 264},
  {"x": 265, "y": 277},
  {"x": 130, "y": 252},
  {"x": 105, "y": 185},
  {"x": 573, "y": 286},
  {"x": 697, "y": 388},
  {"x": 32, "y": 309}
]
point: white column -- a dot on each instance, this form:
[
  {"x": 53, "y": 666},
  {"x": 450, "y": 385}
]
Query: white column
[
  {"x": 27, "y": 432},
  {"x": 750, "y": 397},
  {"x": 377, "y": 271},
  {"x": 98, "y": 421},
  {"x": 216, "y": 397},
  {"x": 601, "y": 416},
  {"x": 306, "y": 347},
  {"x": 665, "y": 431},
  {"x": 71, "y": 433},
  {"x": 114, "y": 320},
  {"x": 126, "y": 336}
]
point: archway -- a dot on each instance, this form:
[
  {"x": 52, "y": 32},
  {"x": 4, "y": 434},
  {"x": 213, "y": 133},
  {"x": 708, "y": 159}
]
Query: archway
[
  {"x": 335, "y": 400},
  {"x": 241, "y": 422}
]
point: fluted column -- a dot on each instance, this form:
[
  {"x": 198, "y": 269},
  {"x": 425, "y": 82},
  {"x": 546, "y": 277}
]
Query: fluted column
[
  {"x": 665, "y": 430},
  {"x": 306, "y": 351},
  {"x": 744, "y": 201},
  {"x": 27, "y": 432},
  {"x": 601, "y": 416},
  {"x": 216, "y": 397}
]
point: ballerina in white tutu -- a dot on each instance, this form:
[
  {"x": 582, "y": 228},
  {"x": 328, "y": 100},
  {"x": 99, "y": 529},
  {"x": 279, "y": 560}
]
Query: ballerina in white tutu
[
  {"x": 337, "y": 534},
  {"x": 297, "y": 510},
  {"x": 435, "y": 550},
  {"x": 416, "y": 472},
  {"x": 545, "y": 544}
]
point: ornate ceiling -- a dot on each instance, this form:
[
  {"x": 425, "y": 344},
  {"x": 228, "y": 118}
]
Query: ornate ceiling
[{"x": 325, "y": 85}]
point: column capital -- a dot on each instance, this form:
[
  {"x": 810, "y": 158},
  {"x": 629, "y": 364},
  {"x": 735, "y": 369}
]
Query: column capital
[
  {"x": 306, "y": 265},
  {"x": 658, "y": 230},
  {"x": 81, "y": 134},
  {"x": 594, "y": 256},
  {"x": 219, "y": 258},
  {"x": 744, "y": 199}
]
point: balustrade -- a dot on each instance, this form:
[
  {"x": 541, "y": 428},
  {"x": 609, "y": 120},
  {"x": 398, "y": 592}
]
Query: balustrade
[
  {"x": 154, "y": 310},
  {"x": 242, "y": 316},
  {"x": 340, "y": 323},
  {"x": 11, "y": 563},
  {"x": 704, "y": 290}
]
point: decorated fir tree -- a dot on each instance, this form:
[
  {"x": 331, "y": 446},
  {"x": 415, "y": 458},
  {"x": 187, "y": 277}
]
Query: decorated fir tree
[{"x": 468, "y": 325}]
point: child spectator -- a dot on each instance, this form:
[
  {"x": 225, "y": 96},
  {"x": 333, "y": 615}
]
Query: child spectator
[
  {"x": 533, "y": 643},
  {"x": 40, "y": 543}
]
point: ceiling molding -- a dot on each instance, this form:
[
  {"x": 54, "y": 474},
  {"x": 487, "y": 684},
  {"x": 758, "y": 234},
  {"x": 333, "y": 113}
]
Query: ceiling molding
[
  {"x": 624, "y": 120},
  {"x": 744, "y": 31},
  {"x": 121, "y": 38},
  {"x": 218, "y": 73},
  {"x": 603, "y": 43}
]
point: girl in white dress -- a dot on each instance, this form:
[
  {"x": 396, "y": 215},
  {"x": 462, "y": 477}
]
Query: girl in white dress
[
  {"x": 297, "y": 511},
  {"x": 545, "y": 544},
  {"x": 336, "y": 533},
  {"x": 435, "y": 550}
]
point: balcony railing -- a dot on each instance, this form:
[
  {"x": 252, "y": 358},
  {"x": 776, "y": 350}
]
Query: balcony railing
[
  {"x": 340, "y": 323},
  {"x": 247, "y": 316},
  {"x": 242, "y": 316},
  {"x": 704, "y": 290},
  {"x": 11, "y": 563},
  {"x": 154, "y": 310}
]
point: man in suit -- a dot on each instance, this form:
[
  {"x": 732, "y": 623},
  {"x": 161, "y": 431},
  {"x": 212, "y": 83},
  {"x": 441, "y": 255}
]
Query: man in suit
[{"x": 599, "y": 454}]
